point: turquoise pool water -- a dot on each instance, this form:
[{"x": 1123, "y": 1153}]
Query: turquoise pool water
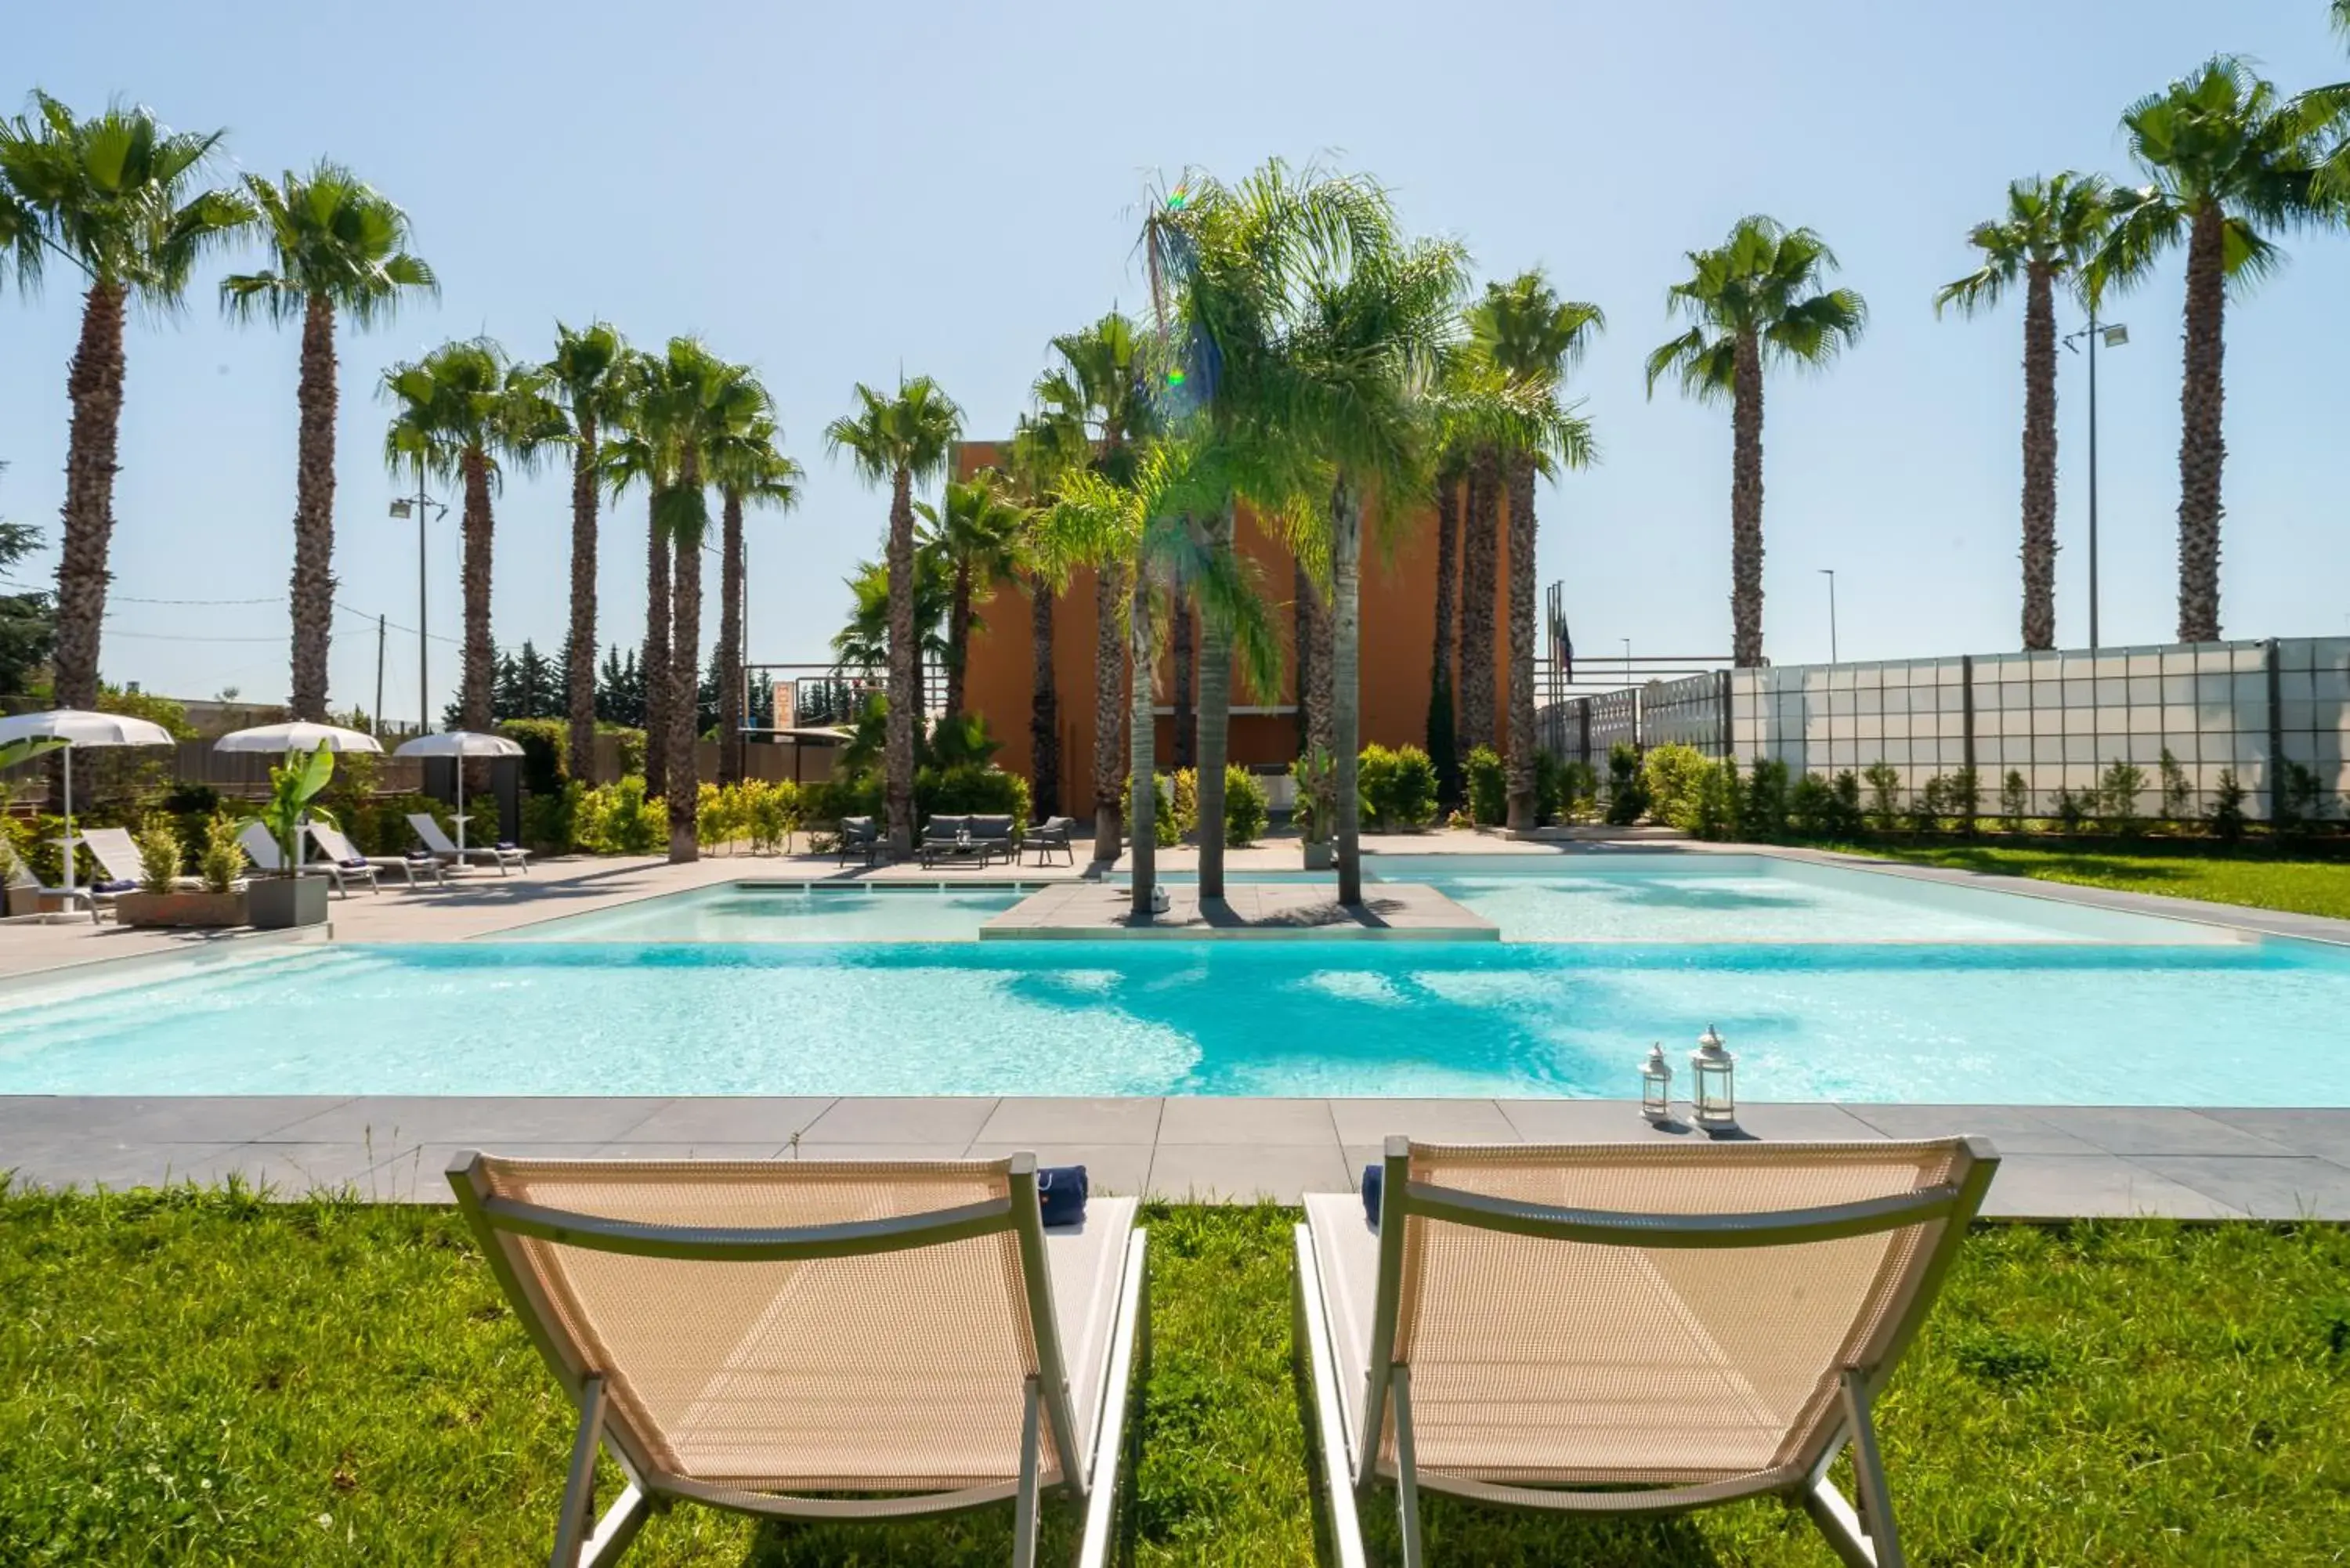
[
  {"x": 791, "y": 912},
  {"x": 2021, "y": 1022}
]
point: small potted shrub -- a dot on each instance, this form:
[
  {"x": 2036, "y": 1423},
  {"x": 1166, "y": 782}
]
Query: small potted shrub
[
  {"x": 1317, "y": 810},
  {"x": 162, "y": 901},
  {"x": 288, "y": 898}
]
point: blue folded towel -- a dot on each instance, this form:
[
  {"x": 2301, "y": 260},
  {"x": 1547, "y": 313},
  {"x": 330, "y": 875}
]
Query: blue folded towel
[
  {"x": 356, "y": 862},
  {"x": 423, "y": 854},
  {"x": 122, "y": 887},
  {"x": 508, "y": 844},
  {"x": 1061, "y": 1193},
  {"x": 1374, "y": 1181}
]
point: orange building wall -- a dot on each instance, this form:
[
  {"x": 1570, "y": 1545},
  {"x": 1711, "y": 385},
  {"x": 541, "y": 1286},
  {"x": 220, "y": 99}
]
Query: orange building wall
[{"x": 1399, "y": 606}]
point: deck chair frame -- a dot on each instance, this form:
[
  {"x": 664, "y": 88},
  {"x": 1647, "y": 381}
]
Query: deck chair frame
[
  {"x": 1862, "y": 1536},
  {"x": 586, "y": 1540}
]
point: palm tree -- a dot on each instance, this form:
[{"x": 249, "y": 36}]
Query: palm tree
[
  {"x": 341, "y": 246},
  {"x": 1369, "y": 348},
  {"x": 1531, "y": 337},
  {"x": 1237, "y": 260},
  {"x": 2051, "y": 229},
  {"x": 461, "y": 414},
  {"x": 587, "y": 378},
  {"x": 1480, "y": 567},
  {"x": 1044, "y": 450},
  {"x": 2227, "y": 158},
  {"x": 626, "y": 459},
  {"x": 1098, "y": 389},
  {"x": 694, "y": 403},
  {"x": 20, "y": 249},
  {"x": 1443, "y": 715},
  {"x": 978, "y": 536},
  {"x": 1756, "y": 297},
  {"x": 748, "y": 470},
  {"x": 114, "y": 195},
  {"x": 863, "y": 641},
  {"x": 899, "y": 441}
]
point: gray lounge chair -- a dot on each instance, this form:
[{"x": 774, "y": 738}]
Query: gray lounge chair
[
  {"x": 821, "y": 1339},
  {"x": 262, "y": 851},
  {"x": 446, "y": 852},
  {"x": 1048, "y": 839},
  {"x": 861, "y": 837},
  {"x": 338, "y": 851},
  {"x": 1626, "y": 1329}
]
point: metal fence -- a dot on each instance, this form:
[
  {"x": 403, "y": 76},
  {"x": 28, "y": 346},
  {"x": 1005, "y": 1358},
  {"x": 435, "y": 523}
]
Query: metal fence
[{"x": 2057, "y": 720}]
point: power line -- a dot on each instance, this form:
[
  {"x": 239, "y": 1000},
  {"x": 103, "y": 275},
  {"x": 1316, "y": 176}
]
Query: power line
[
  {"x": 395, "y": 626},
  {"x": 173, "y": 637},
  {"x": 127, "y": 599}
]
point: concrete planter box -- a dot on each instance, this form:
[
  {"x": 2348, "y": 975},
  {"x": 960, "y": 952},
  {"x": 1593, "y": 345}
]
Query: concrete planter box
[
  {"x": 1319, "y": 857},
  {"x": 181, "y": 910},
  {"x": 277, "y": 903}
]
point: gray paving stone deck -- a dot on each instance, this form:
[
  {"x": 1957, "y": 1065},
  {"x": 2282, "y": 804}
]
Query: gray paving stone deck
[
  {"x": 1258, "y": 911},
  {"x": 2060, "y": 1162}
]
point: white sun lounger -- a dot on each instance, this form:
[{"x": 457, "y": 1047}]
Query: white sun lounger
[
  {"x": 339, "y": 852},
  {"x": 1620, "y": 1329},
  {"x": 118, "y": 851},
  {"x": 447, "y": 854},
  {"x": 746, "y": 1334},
  {"x": 262, "y": 851}
]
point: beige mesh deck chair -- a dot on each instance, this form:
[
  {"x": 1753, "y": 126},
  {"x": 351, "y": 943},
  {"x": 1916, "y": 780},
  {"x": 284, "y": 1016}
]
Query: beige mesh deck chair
[
  {"x": 744, "y": 1335},
  {"x": 1626, "y": 1328}
]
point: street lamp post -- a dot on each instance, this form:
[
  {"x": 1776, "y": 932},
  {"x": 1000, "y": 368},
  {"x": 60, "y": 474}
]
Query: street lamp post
[
  {"x": 2113, "y": 333},
  {"x": 1628, "y": 659},
  {"x": 419, "y": 508},
  {"x": 1829, "y": 573}
]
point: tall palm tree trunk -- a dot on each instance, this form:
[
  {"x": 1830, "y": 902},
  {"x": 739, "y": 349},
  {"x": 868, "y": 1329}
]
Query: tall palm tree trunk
[
  {"x": 1746, "y": 504},
  {"x": 1480, "y": 590},
  {"x": 684, "y": 793},
  {"x": 1142, "y": 740},
  {"x": 656, "y": 660},
  {"x": 731, "y": 695},
  {"x": 1346, "y": 704},
  {"x": 1214, "y": 739},
  {"x": 1315, "y": 697},
  {"x": 480, "y": 673},
  {"x": 2040, "y": 458},
  {"x": 905, "y": 670},
  {"x": 1304, "y": 605},
  {"x": 1109, "y": 665},
  {"x": 1442, "y": 715},
  {"x": 579, "y": 652},
  {"x": 1519, "y": 770},
  {"x": 958, "y": 636},
  {"x": 95, "y": 383},
  {"x": 2202, "y": 448},
  {"x": 313, "y": 588},
  {"x": 1044, "y": 702},
  {"x": 1180, "y": 655}
]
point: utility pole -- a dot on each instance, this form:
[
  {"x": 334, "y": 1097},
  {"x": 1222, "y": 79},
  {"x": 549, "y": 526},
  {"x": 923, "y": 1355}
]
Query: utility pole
[
  {"x": 379, "y": 626},
  {"x": 2113, "y": 335},
  {"x": 1829, "y": 573}
]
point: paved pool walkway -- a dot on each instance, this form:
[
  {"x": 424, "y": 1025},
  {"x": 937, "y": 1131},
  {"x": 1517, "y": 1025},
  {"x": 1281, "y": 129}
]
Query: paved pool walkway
[{"x": 2061, "y": 1161}]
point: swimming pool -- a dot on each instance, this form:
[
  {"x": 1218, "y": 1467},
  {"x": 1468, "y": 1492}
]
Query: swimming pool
[
  {"x": 2031, "y": 1024},
  {"x": 791, "y": 912}
]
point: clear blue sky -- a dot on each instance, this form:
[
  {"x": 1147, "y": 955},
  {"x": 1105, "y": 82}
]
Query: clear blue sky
[{"x": 833, "y": 193}]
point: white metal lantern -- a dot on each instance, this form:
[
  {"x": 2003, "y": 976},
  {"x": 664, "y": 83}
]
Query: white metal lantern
[
  {"x": 1656, "y": 1085},
  {"x": 1710, "y": 1095}
]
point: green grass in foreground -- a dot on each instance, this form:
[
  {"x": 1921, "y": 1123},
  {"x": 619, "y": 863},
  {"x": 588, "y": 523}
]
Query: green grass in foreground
[
  {"x": 201, "y": 1379},
  {"x": 2260, "y": 879}
]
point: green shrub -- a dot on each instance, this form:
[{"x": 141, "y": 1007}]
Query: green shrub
[
  {"x": 1489, "y": 790},
  {"x": 2178, "y": 794},
  {"x": 2074, "y": 811},
  {"x": 1183, "y": 801},
  {"x": 970, "y": 789},
  {"x": 1444, "y": 746},
  {"x": 158, "y": 854},
  {"x": 632, "y": 747},
  {"x": 2014, "y": 798},
  {"x": 2299, "y": 803},
  {"x": 1928, "y": 804},
  {"x": 851, "y": 794},
  {"x": 1165, "y": 830},
  {"x": 2117, "y": 799},
  {"x": 617, "y": 819},
  {"x": 1764, "y": 808},
  {"x": 1848, "y": 794},
  {"x": 771, "y": 812},
  {"x": 546, "y": 745},
  {"x": 549, "y": 821},
  {"x": 1315, "y": 814},
  {"x": 1245, "y": 807},
  {"x": 1627, "y": 792},
  {"x": 223, "y": 860},
  {"x": 1964, "y": 798},
  {"x": 1710, "y": 809},
  {"x": 1883, "y": 794},
  {"x": 1812, "y": 807},
  {"x": 2226, "y": 816},
  {"x": 1673, "y": 774},
  {"x": 1396, "y": 788}
]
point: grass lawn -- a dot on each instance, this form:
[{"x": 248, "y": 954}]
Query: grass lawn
[
  {"x": 2261, "y": 879},
  {"x": 203, "y": 1378}
]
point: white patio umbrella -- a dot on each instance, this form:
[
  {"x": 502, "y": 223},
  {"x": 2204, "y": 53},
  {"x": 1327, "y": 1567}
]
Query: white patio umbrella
[
  {"x": 77, "y": 727},
  {"x": 297, "y": 735},
  {"x": 460, "y": 744}
]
